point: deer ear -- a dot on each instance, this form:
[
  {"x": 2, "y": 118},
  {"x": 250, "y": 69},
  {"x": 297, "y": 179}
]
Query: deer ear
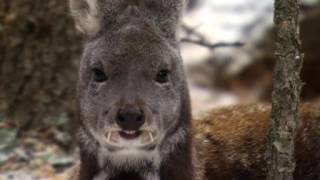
[{"x": 85, "y": 14}]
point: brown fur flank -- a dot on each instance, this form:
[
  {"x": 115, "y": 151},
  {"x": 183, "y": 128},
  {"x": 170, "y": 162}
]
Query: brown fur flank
[{"x": 233, "y": 142}]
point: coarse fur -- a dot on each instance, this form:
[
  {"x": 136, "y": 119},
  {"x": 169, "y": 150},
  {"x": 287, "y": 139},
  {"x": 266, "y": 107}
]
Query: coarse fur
[
  {"x": 130, "y": 45},
  {"x": 232, "y": 142}
]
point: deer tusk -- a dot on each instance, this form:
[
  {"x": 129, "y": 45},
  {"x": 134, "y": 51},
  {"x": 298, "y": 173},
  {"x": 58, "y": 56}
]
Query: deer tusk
[
  {"x": 109, "y": 136},
  {"x": 151, "y": 136}
]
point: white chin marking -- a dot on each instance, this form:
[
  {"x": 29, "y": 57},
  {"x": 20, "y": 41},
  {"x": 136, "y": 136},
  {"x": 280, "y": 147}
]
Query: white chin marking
[{"x": 131, "y": 157}]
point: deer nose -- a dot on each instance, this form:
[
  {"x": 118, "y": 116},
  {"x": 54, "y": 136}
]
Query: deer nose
[{"x": 130, "y": 118}]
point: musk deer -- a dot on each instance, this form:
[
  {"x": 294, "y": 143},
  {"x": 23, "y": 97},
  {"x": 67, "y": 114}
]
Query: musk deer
[{"x": 134, "y": 110}]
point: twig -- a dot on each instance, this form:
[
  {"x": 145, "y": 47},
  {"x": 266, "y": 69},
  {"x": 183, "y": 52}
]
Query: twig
[
  {"x": 201, "y": 40},
  {"x": 210, "y": 45}
]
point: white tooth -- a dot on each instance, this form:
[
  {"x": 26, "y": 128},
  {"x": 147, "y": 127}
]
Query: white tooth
[
  {"x": 130, "y": 132},
  {"x": 151, "y": 136}
]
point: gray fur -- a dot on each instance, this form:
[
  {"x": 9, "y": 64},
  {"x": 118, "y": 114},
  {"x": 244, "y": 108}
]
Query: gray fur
[{"x": 131, "y": 42}]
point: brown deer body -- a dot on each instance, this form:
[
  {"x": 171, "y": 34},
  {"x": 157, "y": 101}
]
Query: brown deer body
[{"x": 232, "y": 142}]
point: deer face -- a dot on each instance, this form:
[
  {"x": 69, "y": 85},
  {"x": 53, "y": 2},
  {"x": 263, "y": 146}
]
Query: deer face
[
  {"x": 130, "y": 89},
  {"x": 133, "y": 99}
]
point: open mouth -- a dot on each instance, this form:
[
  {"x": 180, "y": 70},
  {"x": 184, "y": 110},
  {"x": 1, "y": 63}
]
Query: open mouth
[
  {"x": 130, "y": 134},
  {"x": 130, "y": 139}
]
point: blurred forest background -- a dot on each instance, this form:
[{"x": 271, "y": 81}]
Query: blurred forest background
[{"x": 40, "y": 52}]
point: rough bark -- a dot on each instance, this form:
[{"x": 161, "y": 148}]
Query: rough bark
[
  {"x": 39, "y": 53},
  {"x": 286, "y": 91}
]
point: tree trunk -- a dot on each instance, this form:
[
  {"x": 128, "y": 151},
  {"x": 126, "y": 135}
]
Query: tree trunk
[
  {"x": 39, "y": 52},
  {"x": 286, "y": 91}
]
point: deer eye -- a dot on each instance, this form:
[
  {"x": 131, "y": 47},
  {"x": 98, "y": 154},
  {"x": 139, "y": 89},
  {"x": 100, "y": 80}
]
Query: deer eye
[
  {"x": 163, "y": 76},
  {"x": 99, "y": 75}
]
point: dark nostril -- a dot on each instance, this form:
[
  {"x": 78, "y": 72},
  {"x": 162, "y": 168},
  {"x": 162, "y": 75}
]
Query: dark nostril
[{"x": 130, "y": 119}]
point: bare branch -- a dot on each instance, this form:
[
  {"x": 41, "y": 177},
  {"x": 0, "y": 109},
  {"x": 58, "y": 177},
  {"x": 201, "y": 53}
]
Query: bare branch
[
  {"x": 211, "y": 46},
  {"x": 202, "y": 41}
]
